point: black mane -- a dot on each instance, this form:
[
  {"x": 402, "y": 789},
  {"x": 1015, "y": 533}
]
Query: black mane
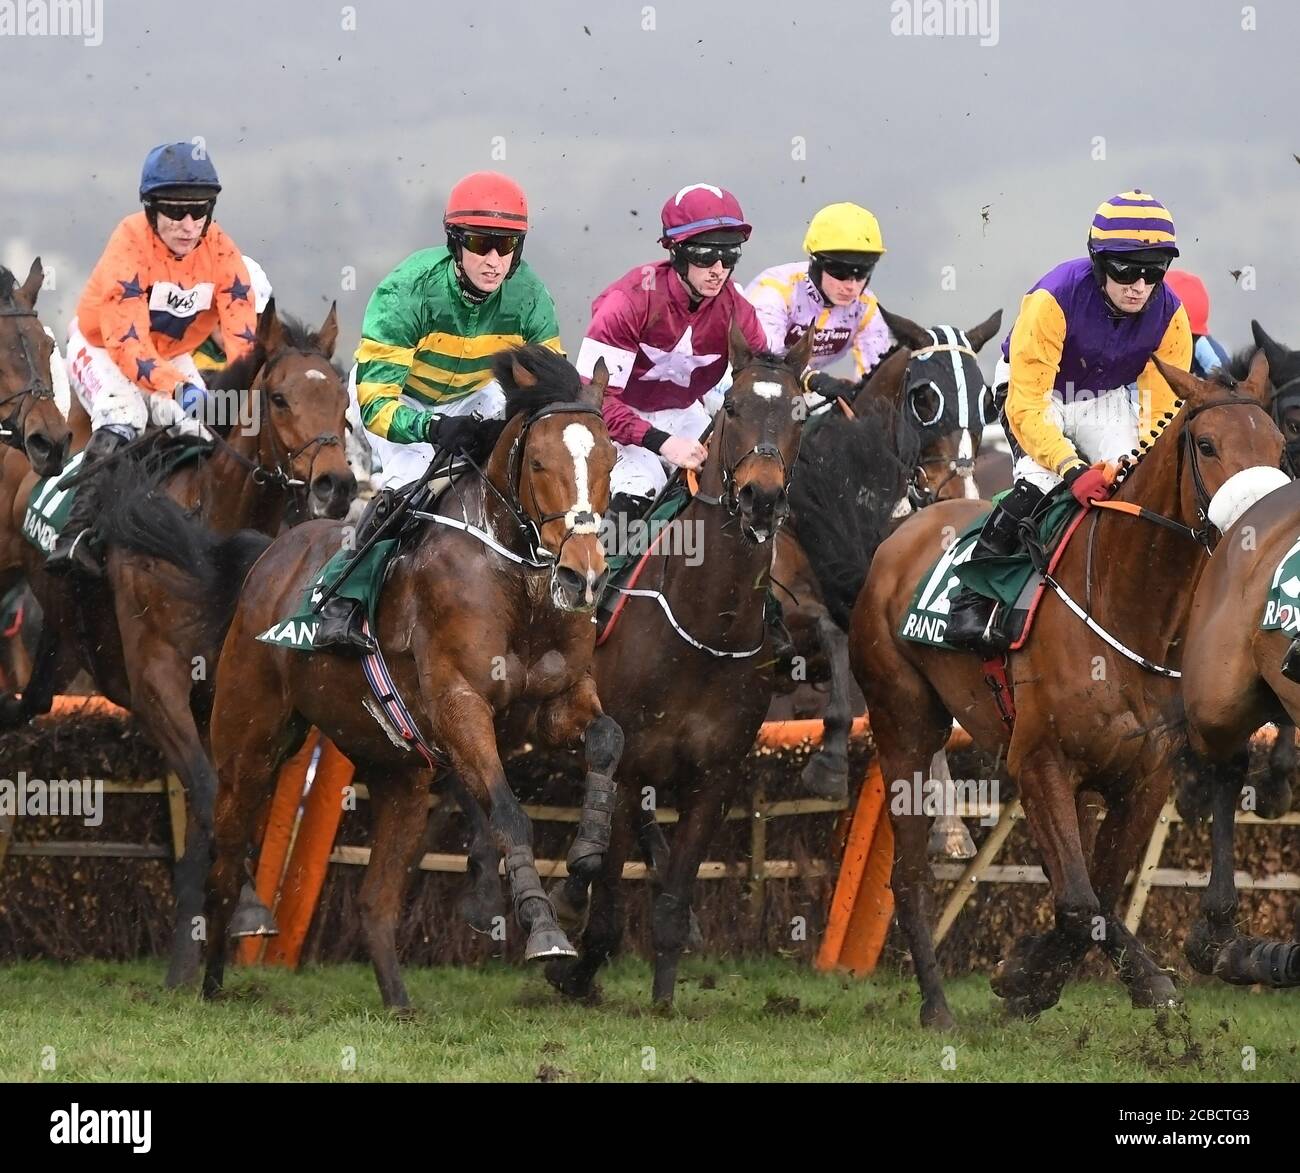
[
  {"x": 557, "y": 379},
  {"x": 239, "y": 373},
  {"x": 850, "y": 476}
]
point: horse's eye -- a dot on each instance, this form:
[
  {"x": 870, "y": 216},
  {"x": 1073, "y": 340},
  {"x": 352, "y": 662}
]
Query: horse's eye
[
  {"x": 1293, "y": 426},
  {"x": 535, "y": 465},
  {"x": 729, "y": 406},
  {"x": 278, "y": 400},
  {"x": 1205, "y": 447}
]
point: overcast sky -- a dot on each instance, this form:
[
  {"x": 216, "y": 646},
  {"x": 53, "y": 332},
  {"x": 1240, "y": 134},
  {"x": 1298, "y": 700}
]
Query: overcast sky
[{"x": 337, "y": 145}]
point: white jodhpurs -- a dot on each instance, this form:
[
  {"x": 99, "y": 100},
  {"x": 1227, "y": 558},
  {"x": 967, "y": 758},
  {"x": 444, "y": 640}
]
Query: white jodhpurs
[
  {"x": 643, "y": 473},
  {"x": 403, "y": 463},
  {"x": 1101, "y": 427},
  {"x": 110, "y": 398}
]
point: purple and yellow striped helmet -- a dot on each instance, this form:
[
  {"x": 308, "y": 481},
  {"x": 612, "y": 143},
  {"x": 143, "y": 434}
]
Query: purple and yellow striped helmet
[{"x": 1130, "y": 222}]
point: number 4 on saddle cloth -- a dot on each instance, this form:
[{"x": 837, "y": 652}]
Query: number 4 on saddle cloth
[{"x": 1015, "y": 582}]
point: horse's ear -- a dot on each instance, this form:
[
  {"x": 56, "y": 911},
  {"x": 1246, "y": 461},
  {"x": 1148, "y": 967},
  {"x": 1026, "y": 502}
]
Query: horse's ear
[
  {"x": 799, "y": 355},
  {"x": 522, "y": 376},
  {"x": 738, "y": 349},
  {"x": 1275, "y": 352},
  {"x": 906, "y": 331},
  {"x": 32, "y": 286},
  {"x": 1184, "y": 384},
  {"x": 594, "y": 392},
  {"x": 328, "y": 334},
  {"x": 886, "y": 381},
  {"x": 1257, "y": 379},
  {"x": 270, "y": 334},
  {"x": 984, "y": 331}
]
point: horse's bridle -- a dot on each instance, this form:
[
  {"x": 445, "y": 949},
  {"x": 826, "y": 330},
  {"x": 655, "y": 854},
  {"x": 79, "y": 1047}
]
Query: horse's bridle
[
  {"x": 764, "y": 450},
  {"x": 1288, "y": 390},
  {"x": 10, "y": 433},
  {"x": 278, "y": 474},
  {"x": 576, "y": 520}
]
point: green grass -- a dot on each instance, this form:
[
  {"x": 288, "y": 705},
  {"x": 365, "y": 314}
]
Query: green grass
[{"x": 751, "y": 1020}]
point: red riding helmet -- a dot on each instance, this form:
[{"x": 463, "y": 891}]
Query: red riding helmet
[
  {"x": 699, "y": 208},
  {"x": 1192, "y": 293},
  {"x": 487, "y": 200}
]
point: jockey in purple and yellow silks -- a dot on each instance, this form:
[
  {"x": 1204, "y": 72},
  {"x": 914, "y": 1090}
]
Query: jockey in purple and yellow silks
[
  {"x": 827, "y": 294},
  {"x": 1081, "y": 386}
]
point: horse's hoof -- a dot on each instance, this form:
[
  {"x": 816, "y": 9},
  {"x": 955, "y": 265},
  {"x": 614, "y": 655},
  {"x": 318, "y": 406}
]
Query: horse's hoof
[
  {"x": 548, "y": 941},
  {"x": 949, "y": 839},
  {"x": 937, "y": 1018},
  {"x": 480, "y": 913},
  {"x": 251, "y": 917},
  {"x": 1203, "y": 947},
  {"x": 1024, "y": 1009},
  {"x": 572, "y": 915},
  {"x": 1008, "y": 980},
  {"x": 1157, "y": 993},
  {"x": 827, "y": 776},
  {"x": 565, "y": 976},
  {"x": 1273, "y": 799}
]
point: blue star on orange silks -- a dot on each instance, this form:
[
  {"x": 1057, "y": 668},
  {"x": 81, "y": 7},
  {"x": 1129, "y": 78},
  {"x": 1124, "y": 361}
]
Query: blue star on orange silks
[
  {"x": 247, "y": 335},
  {"x": 131, "y": 288},
  {"x": 144, "y": 368},
  {"x": 130, "y": 334},
  {"x": 237, "y": 289}
]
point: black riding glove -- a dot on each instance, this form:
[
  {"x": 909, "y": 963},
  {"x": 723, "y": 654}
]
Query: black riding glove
[
  {"x": 827, "y": 386},
  {"x": 463, "y": 433}
]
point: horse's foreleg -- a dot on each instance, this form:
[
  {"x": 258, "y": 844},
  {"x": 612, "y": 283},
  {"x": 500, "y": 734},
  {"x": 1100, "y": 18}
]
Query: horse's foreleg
[
  {"x": 463, "y": 725},
  {"x": 576, "y": 716},
  {"x": 481, "y": 905},
  {"x": 1032, "y": 977},
  {"x": 1275, "y": 794},
  {"x": 576, "y": 977},
  {"x": 1120, "y": 841},
  {"x": 671, "y": 918},
  {"x": 160, "y": 691},
  {"x": 654, "y": 848},
  {"x": 827, "y": 772},
  {"x": 399, "y": 806},
  {"x": 1214, "y": 946}
]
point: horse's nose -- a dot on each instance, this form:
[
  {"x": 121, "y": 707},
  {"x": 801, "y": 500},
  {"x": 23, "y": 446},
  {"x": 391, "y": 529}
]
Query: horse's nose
[{"x": 332, "y": 493}]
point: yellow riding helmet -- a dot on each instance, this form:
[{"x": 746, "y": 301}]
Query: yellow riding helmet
[{"x": 843, "y": 228}]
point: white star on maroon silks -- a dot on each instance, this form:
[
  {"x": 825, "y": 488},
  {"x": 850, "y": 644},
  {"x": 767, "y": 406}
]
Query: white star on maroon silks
[{"x": 676, "y": 365}]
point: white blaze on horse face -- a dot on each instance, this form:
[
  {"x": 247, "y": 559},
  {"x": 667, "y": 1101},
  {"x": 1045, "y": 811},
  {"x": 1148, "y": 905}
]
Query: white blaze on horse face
[
  {"x": 579, "y": 441},
  {"x": 314, "y": 374},
  {"x": 769, "y": 390}
]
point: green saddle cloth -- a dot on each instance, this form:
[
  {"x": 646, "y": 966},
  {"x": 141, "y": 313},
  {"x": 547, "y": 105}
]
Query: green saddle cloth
[
  {"x": 1011, "y": 580},
  {"x": 1282, "y": 606},
  {"x": 51, "y": 498},
  {"x": 363, "y": 583}
]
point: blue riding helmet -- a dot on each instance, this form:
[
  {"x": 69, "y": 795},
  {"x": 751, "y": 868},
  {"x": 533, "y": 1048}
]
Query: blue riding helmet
[{"x": 172, "y": 169}]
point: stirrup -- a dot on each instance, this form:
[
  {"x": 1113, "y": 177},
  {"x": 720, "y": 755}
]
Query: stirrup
[{"x": 343, "y": 634}]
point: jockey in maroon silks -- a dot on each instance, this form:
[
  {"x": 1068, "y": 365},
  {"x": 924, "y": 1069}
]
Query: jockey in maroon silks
[{"x": 662, "y": 330}]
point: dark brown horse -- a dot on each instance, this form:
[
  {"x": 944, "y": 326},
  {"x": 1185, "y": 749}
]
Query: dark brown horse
[
  {"x": 687, "y": 672},
  {"x": 929, "y": 403},
  {"x": 1090, "y": 717},
  {"x": 1233, "y": 684},
  {"x": 33, "y": 431},
  {"x": 148, "y": 640},
  {"x": 476, "y": 626}
]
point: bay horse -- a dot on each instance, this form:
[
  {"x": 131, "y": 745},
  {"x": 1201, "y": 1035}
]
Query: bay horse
[
  {"x": 686, "y": 670},
  {"x": 34, "y": 435},
  {"x": 476, "y": 624},
  {"x": 1233, "y": 684},
  {"x": 1088, "y": 717},
  {"x": 148, "y": 640},
  {"x": 929, "y": 403}
]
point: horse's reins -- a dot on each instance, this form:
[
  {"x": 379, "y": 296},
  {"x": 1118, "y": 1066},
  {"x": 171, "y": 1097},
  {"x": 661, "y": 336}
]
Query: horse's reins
[
  {"x": 726, "y": 500},
  {"x": 9, "y": 431},
  {"x": 1130, "y": 509}
]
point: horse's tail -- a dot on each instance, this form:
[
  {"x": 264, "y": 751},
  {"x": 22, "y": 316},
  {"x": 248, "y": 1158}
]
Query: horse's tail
[
  {"x": 845, "y": 488},
  {"x": 137, "y": 515}
]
